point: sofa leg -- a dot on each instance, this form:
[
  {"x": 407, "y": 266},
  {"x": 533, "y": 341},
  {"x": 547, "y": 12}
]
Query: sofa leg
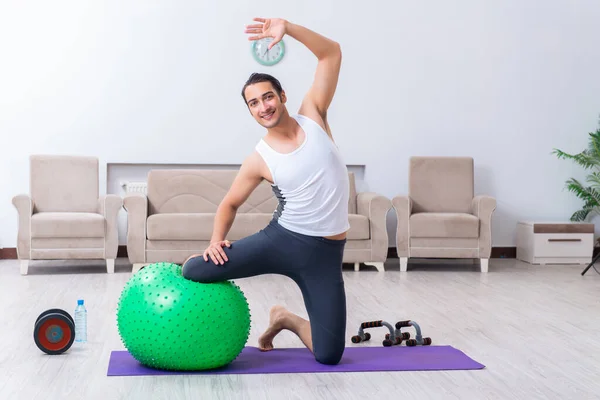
[
  {"x": 403, "y": 264},
  {"x": 110, "y": 266},
  {"x": 24, "y": 267},
  {"x": 484, "y": 265},
  {"x": 378, "y": 265},
  {"x": 137, "y": 267},
  {"x": 356, "y": 267}
]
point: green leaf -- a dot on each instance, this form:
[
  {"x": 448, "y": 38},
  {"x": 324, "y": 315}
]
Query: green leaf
[
  {"x": 594, "y": 143},
  {"x": 580, "y": 216},
  {"x": 594, "y": 178},
  {"x": 590, "y": 195},
  {"x": 584, "y": 159}
]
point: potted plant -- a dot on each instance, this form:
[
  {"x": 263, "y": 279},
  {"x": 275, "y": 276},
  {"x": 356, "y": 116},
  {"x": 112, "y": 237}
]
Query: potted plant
[{"x": 589, "y": 192}]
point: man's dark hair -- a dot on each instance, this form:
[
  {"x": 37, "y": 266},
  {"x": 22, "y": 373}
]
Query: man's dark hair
[{"x": 258, "y": 77}]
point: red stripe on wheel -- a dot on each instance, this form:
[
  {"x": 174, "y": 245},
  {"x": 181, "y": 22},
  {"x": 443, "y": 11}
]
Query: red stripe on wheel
[{"x": 48, "y": 344}]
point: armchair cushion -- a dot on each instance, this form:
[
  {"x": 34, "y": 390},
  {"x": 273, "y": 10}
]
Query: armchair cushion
[
  {"x": 64, "y": 183},
  {"x": 444, "y": 225},
  {"x": 67, "y": 225},
  {"x": 441, "y": 184}
]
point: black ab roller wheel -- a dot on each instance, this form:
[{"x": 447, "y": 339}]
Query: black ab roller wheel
[
  {"x": 54, "y": 331},
  {"x": 56, "y": 310}
]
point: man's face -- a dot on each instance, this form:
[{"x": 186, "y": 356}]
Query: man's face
[{"x": 264, "y": 104}]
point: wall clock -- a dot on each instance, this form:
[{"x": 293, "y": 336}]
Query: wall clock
[{"x": 264, "y": 56}]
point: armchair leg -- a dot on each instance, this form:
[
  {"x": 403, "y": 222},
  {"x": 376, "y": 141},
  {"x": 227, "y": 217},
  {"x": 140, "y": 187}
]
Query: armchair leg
[
  {"x": 484, "y": 265},
  {"x": 378, "y": 265},
  {"x": 24, "y": 267},
  {"x": 403, "y": 264},
  {"x": 110, "y": 266},
  {"x": 356, "y": 267}
]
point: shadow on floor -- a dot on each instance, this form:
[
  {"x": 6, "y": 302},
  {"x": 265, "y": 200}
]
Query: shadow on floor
[
  {"x": 67, "y": 267},
  {"x": 429, "y": 265}
]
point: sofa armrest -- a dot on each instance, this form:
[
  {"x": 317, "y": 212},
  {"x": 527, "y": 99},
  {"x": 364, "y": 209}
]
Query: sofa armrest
[
  {"x": 375, "y": 207},
  {"x": 136, "y": 205},
  {"x": 483, "y": 207},
  {"x": 25, "y": 209},
  {"x": 403, "y": 207},
  {"x": 108, "y": 207}
]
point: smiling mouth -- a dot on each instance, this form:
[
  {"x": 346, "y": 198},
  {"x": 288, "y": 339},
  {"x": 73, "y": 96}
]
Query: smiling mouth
[{"x": 268, "y": 116}]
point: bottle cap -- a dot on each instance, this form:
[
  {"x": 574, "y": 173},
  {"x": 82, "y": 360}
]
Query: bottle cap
[{"x": 79, "y": 302}]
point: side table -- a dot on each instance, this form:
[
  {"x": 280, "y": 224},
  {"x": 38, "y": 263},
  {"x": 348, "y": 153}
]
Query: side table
[{"x": 555, "y": 242}]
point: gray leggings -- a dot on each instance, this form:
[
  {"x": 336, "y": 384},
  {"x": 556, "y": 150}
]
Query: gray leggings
[{"x": 314, "y": 263}]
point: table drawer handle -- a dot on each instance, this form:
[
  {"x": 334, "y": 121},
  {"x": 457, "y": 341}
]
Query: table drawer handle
[{"x": 564, "y": 240}]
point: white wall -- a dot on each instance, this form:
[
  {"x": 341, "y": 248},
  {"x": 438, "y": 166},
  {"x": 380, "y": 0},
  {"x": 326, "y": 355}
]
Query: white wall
[{"x": 159, "y": 82}]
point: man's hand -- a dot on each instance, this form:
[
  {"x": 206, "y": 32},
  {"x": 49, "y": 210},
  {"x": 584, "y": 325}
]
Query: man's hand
[
  {"x": 216, "y": 253},
  {"x": 268, "y": 27}
]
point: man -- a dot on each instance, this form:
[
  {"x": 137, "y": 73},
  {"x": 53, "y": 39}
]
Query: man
[{"x": 306, "y": 238}]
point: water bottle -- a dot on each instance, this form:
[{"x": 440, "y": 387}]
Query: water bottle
[{"x": 80, "y": 322}]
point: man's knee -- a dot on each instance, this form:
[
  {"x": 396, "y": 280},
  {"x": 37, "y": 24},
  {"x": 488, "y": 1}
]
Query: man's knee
[
  {"x": 331, "y": 355},
  {"x": 198, "y": 270}
]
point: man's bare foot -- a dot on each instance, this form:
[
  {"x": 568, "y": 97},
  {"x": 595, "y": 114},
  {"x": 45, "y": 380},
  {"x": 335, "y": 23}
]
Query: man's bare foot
[{"x": 276, "y": 324}]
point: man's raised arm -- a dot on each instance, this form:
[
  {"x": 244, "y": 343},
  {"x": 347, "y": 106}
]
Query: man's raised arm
[
  {"x": 327, "y": 51},
  {"x": 329, "y": 54}
]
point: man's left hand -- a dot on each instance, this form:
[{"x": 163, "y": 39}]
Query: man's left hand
[{"x": 268, "y": 27}]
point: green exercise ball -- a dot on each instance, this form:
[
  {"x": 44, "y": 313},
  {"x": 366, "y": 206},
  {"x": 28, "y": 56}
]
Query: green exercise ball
[{"x": 169, "y": 322}]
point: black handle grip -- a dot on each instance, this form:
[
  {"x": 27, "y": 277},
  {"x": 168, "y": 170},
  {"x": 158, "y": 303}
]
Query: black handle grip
[
  {"x": 371, "y": 324},
  {"x": 402, "y": 324}
]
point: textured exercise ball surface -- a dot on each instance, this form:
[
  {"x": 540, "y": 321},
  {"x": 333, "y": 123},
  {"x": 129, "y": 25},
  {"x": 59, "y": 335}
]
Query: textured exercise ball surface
[{"x": 169, "y": 322}]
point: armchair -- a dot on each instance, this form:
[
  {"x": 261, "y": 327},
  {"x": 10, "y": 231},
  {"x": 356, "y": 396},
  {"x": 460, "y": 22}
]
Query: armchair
[
  {"x": 441, "y": 217},
  {"x": 64, "y": 217}
]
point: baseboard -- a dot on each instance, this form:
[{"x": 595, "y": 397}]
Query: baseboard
[
  {"x": 497, "y": 252},
  {"x": 10, "y": 253}
]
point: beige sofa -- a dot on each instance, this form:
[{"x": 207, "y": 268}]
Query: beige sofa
[
  {"x": 64, "y": 217},
  {"x": 441, "y": 217},
  {"x": 175, "y": 218}
]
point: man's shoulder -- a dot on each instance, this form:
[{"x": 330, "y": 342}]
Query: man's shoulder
[
  {"x": 316, "y": 119},
  {"x": 312, "y": 116},
  {"x": 254, "y": 165}
]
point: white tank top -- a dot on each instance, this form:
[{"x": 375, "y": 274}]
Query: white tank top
[{"x": 311, "y": 183}]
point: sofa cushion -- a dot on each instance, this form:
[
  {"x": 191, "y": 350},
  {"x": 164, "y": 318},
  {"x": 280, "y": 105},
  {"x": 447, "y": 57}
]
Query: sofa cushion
[
  {"x": 67, "y": 225},
  {"x": 202, "y": 190},
  {"x": 444, "y": 225},
  {"x": 199, "y": 226}
]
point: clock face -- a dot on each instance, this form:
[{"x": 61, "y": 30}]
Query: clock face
[{"x": 264, "y": 56}]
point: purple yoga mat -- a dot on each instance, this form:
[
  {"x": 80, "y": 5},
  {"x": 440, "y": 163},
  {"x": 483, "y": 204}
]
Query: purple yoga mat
[{"x": 297, "y": 360}]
